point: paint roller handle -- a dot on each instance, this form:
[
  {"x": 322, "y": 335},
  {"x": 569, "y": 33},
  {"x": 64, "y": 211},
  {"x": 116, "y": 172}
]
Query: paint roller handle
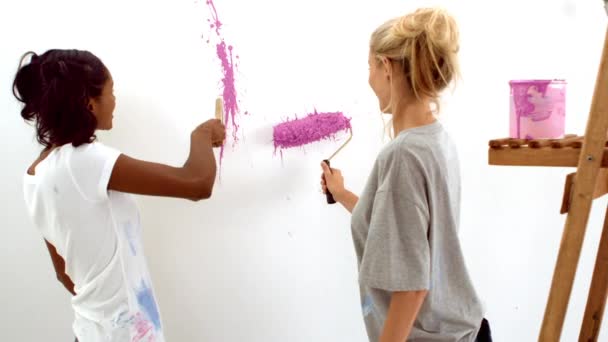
[{"x": 330, "y": 197}]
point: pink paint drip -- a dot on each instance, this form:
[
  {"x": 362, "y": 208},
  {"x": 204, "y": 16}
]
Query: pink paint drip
[
  {"x": 314, "y": 127},
  {"x": 142, "y": 328},
  {"x": 229, "y": 94}
]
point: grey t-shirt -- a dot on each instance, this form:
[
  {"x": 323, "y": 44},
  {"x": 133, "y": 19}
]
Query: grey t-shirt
[{"x": 405, "y": 231}]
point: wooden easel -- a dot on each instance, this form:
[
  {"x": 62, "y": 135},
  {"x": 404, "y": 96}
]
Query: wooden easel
[{"x": 588, "y": 154}]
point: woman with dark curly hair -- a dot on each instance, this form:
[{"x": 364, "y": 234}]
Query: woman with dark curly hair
[{"x": 78, "y": 193}]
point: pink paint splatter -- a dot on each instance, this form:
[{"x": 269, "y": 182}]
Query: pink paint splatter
[
  {"x": 142, "y": 327},
  {"x": 314, "y": 127},
  {"x": 229, "y": 94}
]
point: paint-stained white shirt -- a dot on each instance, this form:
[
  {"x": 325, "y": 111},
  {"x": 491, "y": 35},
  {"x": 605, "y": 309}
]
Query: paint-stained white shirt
[{"x": 98, "y": 234}]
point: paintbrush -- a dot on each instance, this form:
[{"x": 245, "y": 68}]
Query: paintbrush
[{"x": 219, "y": 109}]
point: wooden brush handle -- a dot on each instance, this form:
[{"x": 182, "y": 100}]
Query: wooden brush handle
[
  {"x": 219, "y": 109},
  {"x": 533, "y": 143},
  {"x": 517, "y": 143},
  {"x": 566, "y": 142},
  {"x": 330, "y": 197},
  {"x": 507, "y": 142},
  {"x": 538, "y": 143},
  {"x": 498, "y": 143}
]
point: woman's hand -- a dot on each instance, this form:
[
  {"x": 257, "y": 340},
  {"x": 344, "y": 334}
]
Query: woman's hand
[{"x": 332, "y": 180}]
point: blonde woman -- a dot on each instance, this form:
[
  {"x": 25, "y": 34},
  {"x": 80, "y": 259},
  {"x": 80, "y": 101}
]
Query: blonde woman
[{"x": 413, "y": 278}]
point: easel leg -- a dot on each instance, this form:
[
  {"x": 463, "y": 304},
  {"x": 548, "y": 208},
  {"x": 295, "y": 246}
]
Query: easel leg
[
  {"x": 578, "y": 215},
  {"x": 565, "y": 271},
  {"x": 596, "y": 301}
]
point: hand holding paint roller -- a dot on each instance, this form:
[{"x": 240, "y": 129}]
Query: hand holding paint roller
[
  {"x": 332, "y": 182},
  {"x": 314, "y": 127},
  {"x": 333, "y": 174}
]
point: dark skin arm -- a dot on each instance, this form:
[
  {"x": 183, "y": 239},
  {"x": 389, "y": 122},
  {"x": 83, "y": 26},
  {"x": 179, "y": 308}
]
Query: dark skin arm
[
  {"x": 193, "y": 181},
  {"x": 59, "y": 265}
]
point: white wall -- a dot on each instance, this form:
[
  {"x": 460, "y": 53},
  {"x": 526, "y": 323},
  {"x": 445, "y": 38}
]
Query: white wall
[{"x": 266, "y": 259}]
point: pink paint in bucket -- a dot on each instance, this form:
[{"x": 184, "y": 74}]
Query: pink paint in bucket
[{"x": 537, "y": 109}]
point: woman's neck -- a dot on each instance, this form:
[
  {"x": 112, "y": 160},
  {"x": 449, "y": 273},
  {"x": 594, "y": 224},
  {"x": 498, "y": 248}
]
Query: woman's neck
[{"x": 413, "y": 115}]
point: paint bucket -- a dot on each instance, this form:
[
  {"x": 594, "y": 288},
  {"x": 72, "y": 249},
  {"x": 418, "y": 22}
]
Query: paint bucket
[{"x": 537, "y": 109}]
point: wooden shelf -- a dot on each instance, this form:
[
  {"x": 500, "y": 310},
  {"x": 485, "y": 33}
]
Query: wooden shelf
[{"x": 553, "y": 153}]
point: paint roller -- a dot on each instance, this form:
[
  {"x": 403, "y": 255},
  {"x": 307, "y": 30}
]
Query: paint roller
[{"x": 312, "y": 128}]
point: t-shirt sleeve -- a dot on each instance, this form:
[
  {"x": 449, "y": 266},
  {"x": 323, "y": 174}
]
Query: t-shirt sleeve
[
  {"x": 397, "y": 252},
  {"x": 91, "y": 168}
]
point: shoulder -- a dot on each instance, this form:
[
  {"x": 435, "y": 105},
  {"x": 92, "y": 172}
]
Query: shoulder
[
  {"x": 91, "y": 148},
  {"x": 414, "y": 150},
  {"x": 420, "y": 143},
  {"x": 404, "y": 148},
  {"x": 90, "y": 166},
  {"x": 94, "y": 152},
  {"x": 90, "y": 157}
]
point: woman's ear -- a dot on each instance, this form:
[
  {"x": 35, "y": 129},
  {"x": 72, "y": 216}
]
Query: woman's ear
[
  {"x": 387, "y": 66},
  {"x": 91, "y": 105}
]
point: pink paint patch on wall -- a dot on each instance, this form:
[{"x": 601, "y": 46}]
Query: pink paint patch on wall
[
  {"x": 311, "y": 128},
  {"x": 229, "y": 63}
]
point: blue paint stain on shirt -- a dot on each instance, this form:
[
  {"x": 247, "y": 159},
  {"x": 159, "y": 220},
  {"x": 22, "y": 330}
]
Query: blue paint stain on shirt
[
  {"x": 146, "y": 301},
  {"x": 368, "y": 305}
]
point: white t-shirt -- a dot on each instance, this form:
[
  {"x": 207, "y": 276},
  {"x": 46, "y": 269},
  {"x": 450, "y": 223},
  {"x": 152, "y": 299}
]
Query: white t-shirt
[{"x": 98, "y": 234}]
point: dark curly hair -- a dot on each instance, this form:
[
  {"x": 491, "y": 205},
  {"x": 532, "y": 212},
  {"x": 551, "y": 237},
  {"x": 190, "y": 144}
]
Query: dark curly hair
[{"x": 55, "y": 89}]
